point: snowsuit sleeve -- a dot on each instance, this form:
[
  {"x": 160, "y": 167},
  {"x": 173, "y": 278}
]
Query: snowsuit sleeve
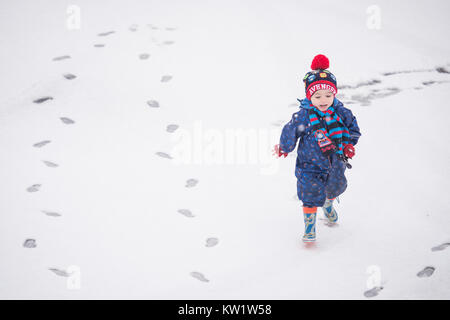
[
  {"x": 351, "y": 124},
  {"x": 291, "y": 132}
]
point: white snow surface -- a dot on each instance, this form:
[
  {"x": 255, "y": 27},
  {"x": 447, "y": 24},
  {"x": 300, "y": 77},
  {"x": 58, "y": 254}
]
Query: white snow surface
[{"x": 234, "y": 65}]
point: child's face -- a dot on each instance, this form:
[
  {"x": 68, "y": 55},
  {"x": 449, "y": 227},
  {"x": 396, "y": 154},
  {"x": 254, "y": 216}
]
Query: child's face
[{"x": 322, "y": 99}]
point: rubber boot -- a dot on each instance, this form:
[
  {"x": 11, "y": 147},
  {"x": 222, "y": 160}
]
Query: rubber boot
[
  {"x": 310, "y": 226},
  {"x": 329, "y": 211}
]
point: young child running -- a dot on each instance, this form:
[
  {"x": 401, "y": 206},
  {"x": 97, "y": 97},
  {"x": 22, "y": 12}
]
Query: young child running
[{"x": 327, "y": 133}]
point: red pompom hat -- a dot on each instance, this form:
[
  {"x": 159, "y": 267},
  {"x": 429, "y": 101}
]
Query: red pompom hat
[{"x": 319, "y": 78}]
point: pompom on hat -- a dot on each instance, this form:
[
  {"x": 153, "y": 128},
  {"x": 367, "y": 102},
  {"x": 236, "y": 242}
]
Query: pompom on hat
[{"x": 319, "y": 78}]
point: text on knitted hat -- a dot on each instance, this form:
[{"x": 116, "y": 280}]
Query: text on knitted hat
[{"x": 321, "y": 86}]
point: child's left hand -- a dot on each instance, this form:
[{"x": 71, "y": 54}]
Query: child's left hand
[{"x": 349, "y": 151}]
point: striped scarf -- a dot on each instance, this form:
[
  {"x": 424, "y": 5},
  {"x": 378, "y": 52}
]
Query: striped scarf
[{"x": 334, "y": 136}]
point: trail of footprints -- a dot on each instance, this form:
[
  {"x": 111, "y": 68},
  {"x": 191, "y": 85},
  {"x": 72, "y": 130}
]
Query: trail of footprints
[
  {"x": 190, "y": 183},
  {"x": 426, "y": 272},
  {"x": 372, "y": 93},
  {"x": 377, "y": 93}
]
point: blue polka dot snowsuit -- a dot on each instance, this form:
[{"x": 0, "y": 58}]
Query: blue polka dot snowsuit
[{"x": 318, "y": 177}]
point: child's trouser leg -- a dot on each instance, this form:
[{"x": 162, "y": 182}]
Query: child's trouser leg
[
  {"x": 309, "y": 214},
  {"x": 311, "y": 189},
  {"x": 336, "y": 185}
]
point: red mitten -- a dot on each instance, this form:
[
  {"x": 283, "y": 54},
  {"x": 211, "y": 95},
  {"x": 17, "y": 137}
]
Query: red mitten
[
  {"x": 278, "y": 152},
  {"x": 349, "y": 151}
]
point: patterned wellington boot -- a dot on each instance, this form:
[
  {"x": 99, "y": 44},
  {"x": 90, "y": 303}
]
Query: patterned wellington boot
[
  {"x": 329, "y": 211},
  {"x": 310, "y": 227}
]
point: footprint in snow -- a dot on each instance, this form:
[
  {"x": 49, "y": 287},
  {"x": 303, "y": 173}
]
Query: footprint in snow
[
  {"x": 144, "y": 56},
  {"x": 171, "y": 29},
  {"x": 166, "y": 78},
  {"x": 428, "y": 83},
  {"x": 361, "y": 84},
  {"x": 328, "y": 223},
  {"x": 372, "y": 292},
  {"x": 43, "y": 99},
  {"x": 365, "y": 100},
  {"x": 69, "y": 76},
  {"x": 167, "y": 43},
  {"x": 199, "y": 276},
  {"x": 34, "y": 188},
  {"x": 104, "y": 34},
  {"x": 59, "y": 272},
  {"x": 133, "y": 27},
  {"x": 441, "y": 247},
  {"x": 61, "y": 58},
  {"x": 172, "y": 127},
  {"x": 164, "y": 155},
  {"x": 426, "y": 272},
  {"x": 186, "y": 213},
  {"x": 331, "y": 224},
  {"x": 30, "y": 243},
  {"x": 41, "y": 144},
  {"x": 50, "y": 164},
  {"x": 211, "y": 242},
  {"x": 51, "y": 214},
  {"x": 153, "y": 103},
  {"x": 442, "y": 70},
  {"x": 191, "y": 183},
  {"x": 390, "y": 73},
  {"x": 67, "y": 120}
]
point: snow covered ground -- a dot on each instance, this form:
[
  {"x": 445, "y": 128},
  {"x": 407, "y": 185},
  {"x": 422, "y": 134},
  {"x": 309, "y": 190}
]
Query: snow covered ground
[{"x": 127, "y": 184}]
